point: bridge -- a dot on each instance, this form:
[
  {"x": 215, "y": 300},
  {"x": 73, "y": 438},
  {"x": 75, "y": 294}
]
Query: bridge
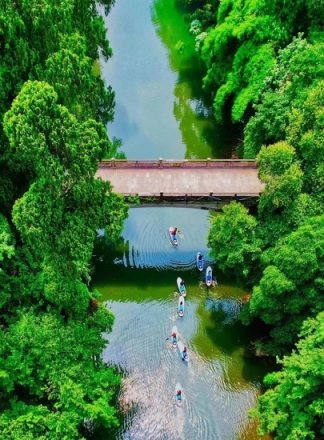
[{"x": 208, "y": 183}]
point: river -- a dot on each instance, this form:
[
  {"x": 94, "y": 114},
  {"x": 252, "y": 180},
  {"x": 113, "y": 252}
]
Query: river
[{"x": 161, "y": 111}]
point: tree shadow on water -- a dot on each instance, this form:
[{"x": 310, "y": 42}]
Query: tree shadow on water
[{"x": 227, "y": 332}]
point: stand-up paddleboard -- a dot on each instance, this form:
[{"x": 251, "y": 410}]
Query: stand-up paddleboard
[
  {"x": 181, "y": 306},
  {"x": 200, "y": 262},
  {"x": 184, "y": 357},
  {"x": 174, "y": 330},
  {"x": 209, "y": 276},
  {"x": 182, "y": 289},
  {"x": 174, "y": 239},
  {"x": 179, "y": 400}
]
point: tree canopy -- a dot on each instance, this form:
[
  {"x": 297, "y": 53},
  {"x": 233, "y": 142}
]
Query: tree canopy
[
  {"x": 53, "y": 111},
  {"x": 293, "y": 407}
]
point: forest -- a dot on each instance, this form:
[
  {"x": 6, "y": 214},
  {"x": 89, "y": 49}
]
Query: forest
[
  {"x": 54, "y": 107},
  {"x": 265, "y": 59}
]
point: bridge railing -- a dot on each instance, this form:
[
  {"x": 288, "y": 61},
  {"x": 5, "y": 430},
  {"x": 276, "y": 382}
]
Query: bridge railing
[
  {"x": 190, "y": 198},
  {"x": 188, "y": 195},
  {"x": 181, "y": 163}
]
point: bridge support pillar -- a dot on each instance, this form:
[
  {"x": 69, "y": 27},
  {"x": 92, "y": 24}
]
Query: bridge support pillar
[
  {"x": 208, "y": 162},
  {"x": 161, "y": 196},
  {"x": 160, "y": 163}
]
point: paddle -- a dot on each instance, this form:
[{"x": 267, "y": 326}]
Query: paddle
[{"x": 168, "y": 337}]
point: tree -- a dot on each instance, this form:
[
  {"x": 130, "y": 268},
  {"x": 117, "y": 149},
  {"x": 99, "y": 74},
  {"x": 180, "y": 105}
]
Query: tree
[
  {"x": 35, "y": 35},
  {"x": 305, "y": 132},
  {"x": 291, "y": 287},
  {"x": 233, "y": 241},
  {"x": 241, "y": 49},
  {"x": 73, "y": 77},
  {"x": 59, "y": 214},
  {"x": 282, "y": 201},
  {"x": 299, "y": 66},
  {"x": 293, "y": 407},
  {"x": 52, "y": 377}
]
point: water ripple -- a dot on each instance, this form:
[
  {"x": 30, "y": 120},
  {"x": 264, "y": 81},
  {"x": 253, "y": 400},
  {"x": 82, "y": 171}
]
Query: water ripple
[
  {"x": 148, "y": 244},
  {"x": 143, "y": 296}
]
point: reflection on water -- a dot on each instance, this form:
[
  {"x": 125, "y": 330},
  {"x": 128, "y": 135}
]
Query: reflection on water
[
  {"x": 192, "y": 108},
  {"x": 138, "y": 282},
  {"x": 161, "y": 109}
]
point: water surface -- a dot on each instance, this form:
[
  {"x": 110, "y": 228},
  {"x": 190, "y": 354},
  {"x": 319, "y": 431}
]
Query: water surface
[
  {"x": 161, "y": 109},
  {"x": 138, "y": 282}
]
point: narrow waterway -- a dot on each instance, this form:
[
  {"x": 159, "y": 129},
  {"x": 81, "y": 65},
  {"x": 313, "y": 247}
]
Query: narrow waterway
[
  {"x": 138, "y": 282},
  {"x": 162, "y": 111}
]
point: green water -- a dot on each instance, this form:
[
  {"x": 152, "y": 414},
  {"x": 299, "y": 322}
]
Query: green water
[
  {"x": 161, "y": 108},
  {"x": 137, "y": 280}
]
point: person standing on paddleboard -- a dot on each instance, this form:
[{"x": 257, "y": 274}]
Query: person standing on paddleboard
[{"x": 181, "y": 307}]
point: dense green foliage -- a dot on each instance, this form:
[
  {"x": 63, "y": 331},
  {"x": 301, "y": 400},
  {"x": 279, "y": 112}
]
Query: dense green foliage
[
  {"x": 53, "y": 107},
  {"x": 233, "y": 241},
  {"x": 239, "y": 42},
  {"x": 265, "y": 59},
  {"x": 293, "y": 408}
]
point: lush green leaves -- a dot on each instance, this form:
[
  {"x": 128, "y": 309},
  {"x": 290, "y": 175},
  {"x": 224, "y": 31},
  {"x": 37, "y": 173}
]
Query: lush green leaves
[
  {"x": 291, "y": 287},
  {"x": 299, "y": 67},
  {"x": 54, "y": 364},
  {"x": 240, "y": 51},
  {"x": 65, "y": 205},
  {"x": 52, "y": 378},
  {"x": 294, "y": 408},
  {"x": 233, "y": 241}
]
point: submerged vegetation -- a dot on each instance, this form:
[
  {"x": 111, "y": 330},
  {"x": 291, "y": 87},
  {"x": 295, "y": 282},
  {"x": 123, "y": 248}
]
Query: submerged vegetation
[
  {"x": 266, "y": 60},
  {"x": 53, "y": 110}
]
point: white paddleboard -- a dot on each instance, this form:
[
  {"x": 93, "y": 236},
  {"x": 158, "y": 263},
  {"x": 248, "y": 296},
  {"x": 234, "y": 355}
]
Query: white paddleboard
[
  {"x": 173, "y": 241},
  {"x": 209, "y": 276},
  {"x": 182, "y": 290},
  {"x": 200, "y": 263},
  {"x": 181, "y": 300},
  {"x": 181, "y": 347},
  {"x": 174, "y": 330},
  {"x": 177, "y": 388}
]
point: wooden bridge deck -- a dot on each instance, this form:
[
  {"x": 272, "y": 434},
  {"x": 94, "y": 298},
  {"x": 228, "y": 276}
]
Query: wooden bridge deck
[{"x": 174, "y": 178}]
